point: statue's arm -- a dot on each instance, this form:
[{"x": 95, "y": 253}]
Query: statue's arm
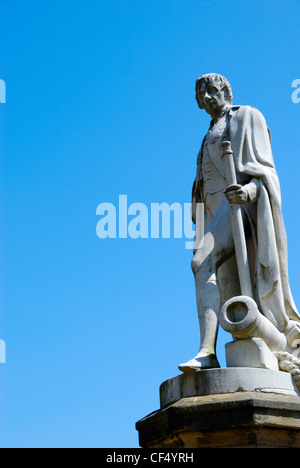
[
  {"x": 253, "y": 190},
  {"x": 193, "y": 207},
  {"x": 243, "y": 194}
]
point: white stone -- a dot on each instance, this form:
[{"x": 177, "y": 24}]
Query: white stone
[
  {"x": 226, "y": 380},
  {"x": 244, "y": 232},
  {"x": 250, "y": 353}
]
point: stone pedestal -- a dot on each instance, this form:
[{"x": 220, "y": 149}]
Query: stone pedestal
[{"x": 225, "y": 408}]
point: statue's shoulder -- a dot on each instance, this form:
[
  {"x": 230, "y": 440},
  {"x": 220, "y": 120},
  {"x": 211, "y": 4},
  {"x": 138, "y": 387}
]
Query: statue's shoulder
[
  {"x": 250, "y": 114},
  {"x": 243, "y": 110}
]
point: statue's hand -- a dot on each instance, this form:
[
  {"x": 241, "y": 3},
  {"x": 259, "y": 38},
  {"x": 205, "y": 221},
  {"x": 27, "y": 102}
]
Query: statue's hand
[{"x": 237, "y": 194}]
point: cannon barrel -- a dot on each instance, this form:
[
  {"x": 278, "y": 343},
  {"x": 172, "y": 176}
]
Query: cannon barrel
[{"x": 240, "y": 317}]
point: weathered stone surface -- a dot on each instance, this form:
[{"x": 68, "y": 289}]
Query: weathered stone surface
[
  {"x": 239, "y": 420},
  {"x": 250, "y": 353},
  {"x": 224, "y": 381}
]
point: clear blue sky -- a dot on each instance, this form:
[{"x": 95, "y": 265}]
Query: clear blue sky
[{"x": 100, "y": 102}]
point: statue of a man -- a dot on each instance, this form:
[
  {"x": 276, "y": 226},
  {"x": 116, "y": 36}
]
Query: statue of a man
[{"x": 258, "y": 192}]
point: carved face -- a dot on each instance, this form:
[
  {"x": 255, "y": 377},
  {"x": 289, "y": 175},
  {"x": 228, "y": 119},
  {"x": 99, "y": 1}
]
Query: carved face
[{"x": 211, "y": 97}]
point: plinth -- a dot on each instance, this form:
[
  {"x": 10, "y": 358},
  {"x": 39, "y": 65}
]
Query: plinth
[{"x": 225, "y": 408}]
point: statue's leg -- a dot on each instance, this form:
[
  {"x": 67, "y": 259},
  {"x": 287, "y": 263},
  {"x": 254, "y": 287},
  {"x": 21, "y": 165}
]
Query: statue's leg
[{"x": 216, "y": 248}]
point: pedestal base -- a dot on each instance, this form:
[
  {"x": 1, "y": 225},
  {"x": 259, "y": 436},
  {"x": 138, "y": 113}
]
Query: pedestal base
[{"x": 262, "y": 416}]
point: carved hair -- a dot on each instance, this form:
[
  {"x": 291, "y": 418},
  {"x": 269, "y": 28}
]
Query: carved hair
[{"x": 219, "y": 79}]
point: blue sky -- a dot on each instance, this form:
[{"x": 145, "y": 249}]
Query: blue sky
[{"x": 100, "y": 102}]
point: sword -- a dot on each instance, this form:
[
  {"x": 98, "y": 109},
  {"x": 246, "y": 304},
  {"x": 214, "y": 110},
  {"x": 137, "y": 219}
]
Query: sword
[{"x": 237, "y": 225}]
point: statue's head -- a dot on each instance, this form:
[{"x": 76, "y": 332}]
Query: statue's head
[{"x": 213, "y": 93}]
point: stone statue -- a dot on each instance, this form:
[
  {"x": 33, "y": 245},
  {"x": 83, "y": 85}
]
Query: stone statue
[{"x": 240, "y": 267}]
